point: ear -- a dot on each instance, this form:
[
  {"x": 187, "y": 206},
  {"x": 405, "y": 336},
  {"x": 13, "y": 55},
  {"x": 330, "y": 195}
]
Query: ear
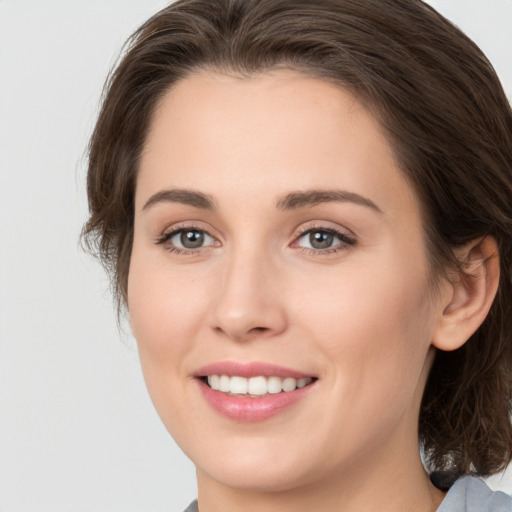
[{"x": 467, "y": 298}]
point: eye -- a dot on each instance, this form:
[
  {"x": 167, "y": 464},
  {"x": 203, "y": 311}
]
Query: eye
[
  {"x": 186, "y": 240},
  {"x": 190, "y": 239},
  {"x": 324, "y": 240}
]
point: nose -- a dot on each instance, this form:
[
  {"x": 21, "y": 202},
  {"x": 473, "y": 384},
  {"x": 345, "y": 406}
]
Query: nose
[{"x": 248, "y": 304}]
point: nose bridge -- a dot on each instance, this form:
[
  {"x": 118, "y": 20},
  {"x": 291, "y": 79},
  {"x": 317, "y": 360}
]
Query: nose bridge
[{"x": 248, "y": 303}]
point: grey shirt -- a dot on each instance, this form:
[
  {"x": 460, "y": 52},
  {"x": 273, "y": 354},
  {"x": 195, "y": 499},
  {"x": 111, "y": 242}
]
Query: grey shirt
[
  {"x": 472, "y": 495},
  {"x": 466, "y": 495}
]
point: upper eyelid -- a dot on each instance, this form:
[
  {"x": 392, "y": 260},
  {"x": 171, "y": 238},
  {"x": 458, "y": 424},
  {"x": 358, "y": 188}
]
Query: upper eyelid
[
  {"x": 343, "y": 237},
  {"x": 191, "y": 225},
  {"x": 318, "y": 228},
  {"x": 324, "y": 226}
]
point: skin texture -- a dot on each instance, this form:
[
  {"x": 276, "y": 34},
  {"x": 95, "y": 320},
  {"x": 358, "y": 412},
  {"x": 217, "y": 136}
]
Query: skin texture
[{"x": 360, "y": 317}]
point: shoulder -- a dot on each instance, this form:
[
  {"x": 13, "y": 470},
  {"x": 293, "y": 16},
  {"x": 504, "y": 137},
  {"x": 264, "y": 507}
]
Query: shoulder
[
  {"x": 471, "y": 494},
  {"x": 192, "y": 507}
]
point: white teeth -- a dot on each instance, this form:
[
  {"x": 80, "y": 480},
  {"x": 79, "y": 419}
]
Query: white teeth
[
  {"x": 303, "y": 382},
  {"x": 255, "y": 386},
  {"x": 289, "y": 384},
  {"x": 239, "y": 385},
  {"x": 213, "y": 381},
  {"x": 225, "y": 383},
  {"x": 274, "y": 385}
]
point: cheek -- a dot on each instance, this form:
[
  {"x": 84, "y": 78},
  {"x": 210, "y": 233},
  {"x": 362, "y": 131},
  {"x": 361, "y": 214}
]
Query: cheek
[
  {"x": 164, "y": 306},
  {"x": 164, "y": 311},
  {"x": 372, "y": 307},
  {"x": 377, "y": 350},
  {"x": 374, "y": 325}
]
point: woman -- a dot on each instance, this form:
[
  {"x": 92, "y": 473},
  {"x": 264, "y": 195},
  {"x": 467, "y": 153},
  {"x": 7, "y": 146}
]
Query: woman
[{"x": 306, "y": 209}]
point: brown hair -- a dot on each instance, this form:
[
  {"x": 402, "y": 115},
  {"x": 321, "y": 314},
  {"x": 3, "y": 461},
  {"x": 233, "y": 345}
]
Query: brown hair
[{"x": 445, "y": 114}]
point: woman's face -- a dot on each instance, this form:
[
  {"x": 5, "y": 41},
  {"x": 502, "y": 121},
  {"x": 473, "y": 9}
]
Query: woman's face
[{"x": 277, "y": 244}]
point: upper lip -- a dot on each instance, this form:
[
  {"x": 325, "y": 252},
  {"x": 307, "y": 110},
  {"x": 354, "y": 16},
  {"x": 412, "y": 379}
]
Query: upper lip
[{"x": 253, "y": 369}]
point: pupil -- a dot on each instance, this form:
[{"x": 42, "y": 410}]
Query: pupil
[
  {"x": 320, "y": 240},
  {"x": 192, "y": 239}
]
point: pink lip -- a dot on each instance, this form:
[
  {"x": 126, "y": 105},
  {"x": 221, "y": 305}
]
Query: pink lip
[
  {"x": 247, "y": 409},
  {"x": 248, "y": 370}
]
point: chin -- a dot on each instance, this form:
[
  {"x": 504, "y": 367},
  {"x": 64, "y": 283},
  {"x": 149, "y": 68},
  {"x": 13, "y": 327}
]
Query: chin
[
  {"x": 261, "y": 469},
  {"x": 256, "y": 478}
]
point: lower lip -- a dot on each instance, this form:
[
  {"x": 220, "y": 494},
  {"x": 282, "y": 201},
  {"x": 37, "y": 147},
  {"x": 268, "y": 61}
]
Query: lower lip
[{"x": 249, "y": 410}]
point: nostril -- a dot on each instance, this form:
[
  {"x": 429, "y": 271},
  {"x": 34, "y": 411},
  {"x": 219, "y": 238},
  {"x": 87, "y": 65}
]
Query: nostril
[{"x": 242, "y": 321}]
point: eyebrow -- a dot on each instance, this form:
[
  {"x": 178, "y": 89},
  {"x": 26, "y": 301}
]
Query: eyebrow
[
  {"x": 300, "y": 199},
  {"x": 188, "y": 197},
  {"x": 291, "y": 201}
]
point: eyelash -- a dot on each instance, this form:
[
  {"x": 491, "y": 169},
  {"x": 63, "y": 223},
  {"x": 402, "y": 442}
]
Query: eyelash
[{"x": 345, "y": 241}]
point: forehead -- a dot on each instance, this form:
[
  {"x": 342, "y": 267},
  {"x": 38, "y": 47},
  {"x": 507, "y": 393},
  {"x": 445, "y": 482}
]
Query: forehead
[{"x": 270, "y": 132}]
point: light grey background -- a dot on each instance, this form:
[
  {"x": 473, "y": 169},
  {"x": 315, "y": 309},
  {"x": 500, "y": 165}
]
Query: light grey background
[{"x": 77, "y": 429}]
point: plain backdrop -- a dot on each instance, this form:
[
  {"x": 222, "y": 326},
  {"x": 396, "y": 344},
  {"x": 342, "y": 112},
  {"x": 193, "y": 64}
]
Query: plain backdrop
[{"x": 77, "y": 429}]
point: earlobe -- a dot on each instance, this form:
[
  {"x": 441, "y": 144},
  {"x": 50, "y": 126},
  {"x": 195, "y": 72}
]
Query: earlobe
[{"x": 469, "y": 296}]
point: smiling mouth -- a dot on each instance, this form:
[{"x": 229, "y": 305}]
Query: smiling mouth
[{"x": 255, "y": 387}]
